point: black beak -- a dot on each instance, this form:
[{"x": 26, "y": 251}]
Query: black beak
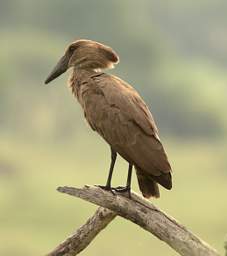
[{"x": 59, "y": 69}]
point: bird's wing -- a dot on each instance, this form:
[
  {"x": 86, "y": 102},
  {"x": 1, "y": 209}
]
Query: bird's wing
[
  {"x": 121, "y": 95},
  {"x": 125, "y": 122}
]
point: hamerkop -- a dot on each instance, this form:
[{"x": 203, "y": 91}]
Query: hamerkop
[{"x": 117, "y": 112}]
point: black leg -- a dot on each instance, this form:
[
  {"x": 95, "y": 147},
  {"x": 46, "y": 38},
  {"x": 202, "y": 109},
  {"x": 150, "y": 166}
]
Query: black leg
[
  {"x": 129, "y": 178},
  {"x": 127, "y": 188},
  {"x": 113, "y": 160}
]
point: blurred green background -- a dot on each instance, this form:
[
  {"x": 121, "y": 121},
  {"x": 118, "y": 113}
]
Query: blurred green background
[{"x": 175, "y": 54}]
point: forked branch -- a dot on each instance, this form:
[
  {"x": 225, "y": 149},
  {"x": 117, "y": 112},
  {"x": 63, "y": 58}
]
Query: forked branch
[{"x": 139, "y": 211}]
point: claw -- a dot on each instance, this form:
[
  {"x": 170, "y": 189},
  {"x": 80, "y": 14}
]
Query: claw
[
  {"x": 126, "y": 190},
  {"x": 107, "y": 188}
]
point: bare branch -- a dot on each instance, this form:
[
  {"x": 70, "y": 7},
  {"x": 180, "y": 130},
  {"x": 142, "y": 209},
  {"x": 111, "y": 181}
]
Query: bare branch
[
  {"x": 145, "y": 214},
  {"x": 78, "y": 241}
]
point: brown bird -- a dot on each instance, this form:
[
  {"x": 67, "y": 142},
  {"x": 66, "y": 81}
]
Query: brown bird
[{"x": 117, "y": 112}]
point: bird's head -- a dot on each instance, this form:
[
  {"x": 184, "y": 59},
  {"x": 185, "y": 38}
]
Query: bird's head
[{"x": 84, "y": 54}]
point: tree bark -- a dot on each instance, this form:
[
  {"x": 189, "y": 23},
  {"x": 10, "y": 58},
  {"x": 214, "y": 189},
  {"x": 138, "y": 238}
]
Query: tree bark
[
  {"x": 136, "y": 209},
  {"x": 78, "y": 241}
]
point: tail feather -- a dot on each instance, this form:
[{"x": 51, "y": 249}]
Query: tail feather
[
  {"x": 148, "y": 187},
  {"x": 148, "y": 183}
]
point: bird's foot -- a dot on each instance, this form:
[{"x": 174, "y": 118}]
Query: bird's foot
[
  {"x": 107, "y": 188},
  {"x": 124, "y": 190}
]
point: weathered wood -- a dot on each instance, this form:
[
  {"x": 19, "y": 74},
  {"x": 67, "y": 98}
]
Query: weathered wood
[
  {"x": 146, "y": 215},
  {"x": 78, "y": 241}
]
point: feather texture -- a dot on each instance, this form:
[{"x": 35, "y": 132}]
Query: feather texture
[{"x": 116, "y": 111}]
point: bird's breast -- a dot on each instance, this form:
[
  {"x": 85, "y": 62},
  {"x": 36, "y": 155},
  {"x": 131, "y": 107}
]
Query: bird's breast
[
  {"x": 78, "y": 88},
  {"x": 89, "y": 97}
]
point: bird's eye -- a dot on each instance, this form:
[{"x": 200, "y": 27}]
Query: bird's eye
[{"x": 72, "y": 48}]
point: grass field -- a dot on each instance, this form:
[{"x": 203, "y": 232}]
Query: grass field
[{"x": 35, "y": 218}]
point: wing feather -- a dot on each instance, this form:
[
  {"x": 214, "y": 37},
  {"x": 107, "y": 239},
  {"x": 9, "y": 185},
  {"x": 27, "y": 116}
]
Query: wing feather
[{"x": 121, "y": 117}]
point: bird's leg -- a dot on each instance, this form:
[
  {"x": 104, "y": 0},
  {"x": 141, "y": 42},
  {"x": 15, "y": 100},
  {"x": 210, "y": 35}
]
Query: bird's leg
[
  {"x": 113, "y": 160},
  {"x": 127, "y": 188}
]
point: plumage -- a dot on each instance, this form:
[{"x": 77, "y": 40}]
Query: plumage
[{"x": 119, "y": 115}]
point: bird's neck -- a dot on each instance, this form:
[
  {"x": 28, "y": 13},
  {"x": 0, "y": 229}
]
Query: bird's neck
[
  {"x": 83, "y": 74},
  {"x": 79, "y": 77}
]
